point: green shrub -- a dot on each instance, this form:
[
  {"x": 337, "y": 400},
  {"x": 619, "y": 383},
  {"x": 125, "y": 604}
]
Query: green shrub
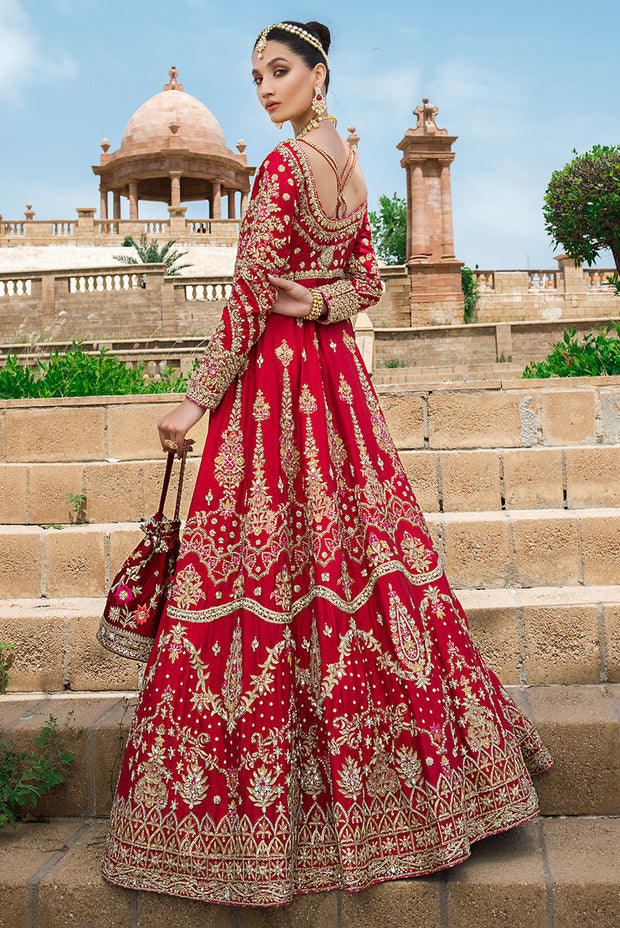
[
  {"x": 598, "y": 353},
  {"x": 25, "y": 777},
  {"x": 76, "y": 373},
  {"x": 471, "y": 292},
  {"x": 6, "y": 659}
]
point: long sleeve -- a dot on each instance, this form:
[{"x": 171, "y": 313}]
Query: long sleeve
[
  {"x": 264, "y": 248},
  {"x": 361, "y": 286}
]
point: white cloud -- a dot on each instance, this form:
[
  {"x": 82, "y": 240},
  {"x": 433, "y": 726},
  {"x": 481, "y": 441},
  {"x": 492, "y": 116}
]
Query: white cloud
[{"x": 24, "y": 59}]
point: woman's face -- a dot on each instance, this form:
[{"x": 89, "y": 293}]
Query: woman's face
[{"x": 284, "y": 82}]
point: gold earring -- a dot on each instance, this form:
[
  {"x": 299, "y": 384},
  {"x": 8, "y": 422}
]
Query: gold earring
[
  {"x": 279, "y": 125},
  {"x": 318, "y": 104}
]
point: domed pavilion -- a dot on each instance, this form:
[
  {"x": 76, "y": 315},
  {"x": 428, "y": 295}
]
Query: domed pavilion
[{"x": 173, "y": 151}]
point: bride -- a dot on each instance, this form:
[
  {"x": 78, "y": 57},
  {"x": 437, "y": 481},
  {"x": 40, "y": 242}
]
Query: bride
[{"x": 314, "y": 714}]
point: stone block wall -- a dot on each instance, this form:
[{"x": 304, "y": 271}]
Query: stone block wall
[{"x": 442, "y": 346}]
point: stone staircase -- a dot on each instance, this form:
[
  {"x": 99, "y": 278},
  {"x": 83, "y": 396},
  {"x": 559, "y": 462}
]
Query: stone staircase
[{"x": 521, "y": 490}]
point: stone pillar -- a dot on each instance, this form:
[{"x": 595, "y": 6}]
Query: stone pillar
[
  {"x": 85, "y": 222},
  {"x": 231, "y": 203},
  {"x": 177, "y": 221},
  {"x": 133, "y": 201},
  {"x": 416, "y": 226},
  {"x": 175, "y": 188},
  {"x": 447, "y": 233},
  {"x": 217, "y": 200},
  {"x": 503, "y": 340},
  {"x": 117, "y": 204},
  {"x": 244, "y": 204},
  {"x": 434, "y": 272},
  {"x": 103, "y": 202},
  {"x": 572, "y": 279},
  {"x": 48, "y": 299},
  {"x": 409, "y": 246}
]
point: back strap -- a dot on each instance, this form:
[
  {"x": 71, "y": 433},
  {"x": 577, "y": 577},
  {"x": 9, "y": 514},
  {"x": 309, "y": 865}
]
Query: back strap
[{"x": 341, "y": 179}]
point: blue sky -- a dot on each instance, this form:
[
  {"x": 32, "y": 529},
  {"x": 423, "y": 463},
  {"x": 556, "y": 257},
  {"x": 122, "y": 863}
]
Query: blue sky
[{"x": 520, "y": 84}]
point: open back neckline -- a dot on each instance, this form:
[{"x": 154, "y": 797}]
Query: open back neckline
[{"x": 308, "y": 169}]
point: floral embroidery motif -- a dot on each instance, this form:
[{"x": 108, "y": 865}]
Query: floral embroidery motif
[{"x": 187, "y": 588}]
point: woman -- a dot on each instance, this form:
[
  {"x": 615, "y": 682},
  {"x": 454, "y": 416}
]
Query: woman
[{"x": 314, "y": 714}]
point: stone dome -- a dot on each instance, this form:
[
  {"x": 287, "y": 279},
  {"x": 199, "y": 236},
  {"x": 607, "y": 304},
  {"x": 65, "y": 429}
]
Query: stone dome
[{"x": 173, "y": 114}]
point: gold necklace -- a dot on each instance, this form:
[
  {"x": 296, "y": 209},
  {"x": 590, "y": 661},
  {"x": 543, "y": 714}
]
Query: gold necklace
[{"x": 313, "y": 124}]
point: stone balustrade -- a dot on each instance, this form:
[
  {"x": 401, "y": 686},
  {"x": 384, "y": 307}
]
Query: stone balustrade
[
  {"x": 214, "y": 290},
  {"x": 545, "y": 294},
  {"x": 119, "y": 301},
  {"x": 91, "y": 231},
  {"x": 593, "y": 279}
]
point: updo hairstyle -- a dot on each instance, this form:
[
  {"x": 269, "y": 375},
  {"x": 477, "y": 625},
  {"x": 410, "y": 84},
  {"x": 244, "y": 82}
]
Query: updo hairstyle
[{"x": 299, "y": 46}]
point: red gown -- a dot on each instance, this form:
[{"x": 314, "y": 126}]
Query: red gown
[{"x": 314, "y": 714}]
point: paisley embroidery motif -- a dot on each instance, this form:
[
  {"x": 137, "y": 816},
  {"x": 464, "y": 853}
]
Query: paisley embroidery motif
[{"x": 410, "y": 644}]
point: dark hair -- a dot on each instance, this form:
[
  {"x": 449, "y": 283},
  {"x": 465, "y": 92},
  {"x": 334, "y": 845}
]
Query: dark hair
[{"x": 301, "y": 47}]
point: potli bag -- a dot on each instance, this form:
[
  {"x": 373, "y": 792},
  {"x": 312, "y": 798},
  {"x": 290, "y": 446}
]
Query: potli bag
[{"x": 140, "y": 589}]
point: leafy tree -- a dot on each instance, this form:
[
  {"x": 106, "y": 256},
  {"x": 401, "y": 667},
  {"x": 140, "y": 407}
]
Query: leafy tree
[
  {"x": 582, "y": 206},
  {"x": 151, "y": 252},
  {"x": 389, "y": 229}
]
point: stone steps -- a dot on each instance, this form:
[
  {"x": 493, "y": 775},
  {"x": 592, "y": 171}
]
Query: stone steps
[
  {"x": 488, "y": 549},
  {"x": 550, "y": 635},
  {"x": 562, "y": 477},
  {"x": 547, "y": 873},
  {"x": 579, "y": 724},
  {"x": 506, "y": 413}
]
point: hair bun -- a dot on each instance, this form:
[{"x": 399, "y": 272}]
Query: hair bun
[{"x": 323, "y": 33}]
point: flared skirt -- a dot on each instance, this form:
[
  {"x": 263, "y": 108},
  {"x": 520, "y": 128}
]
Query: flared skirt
[{"x": 314, "y": 714}]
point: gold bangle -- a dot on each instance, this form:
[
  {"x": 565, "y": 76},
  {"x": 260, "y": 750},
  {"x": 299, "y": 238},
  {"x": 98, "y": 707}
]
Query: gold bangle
[{"x": 317, "y": 306}]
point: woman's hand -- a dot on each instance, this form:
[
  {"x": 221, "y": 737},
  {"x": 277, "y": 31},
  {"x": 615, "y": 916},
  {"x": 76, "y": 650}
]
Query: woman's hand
[
  {"x": 293, "y": 299},
  {"x": 177, "y": 422}
]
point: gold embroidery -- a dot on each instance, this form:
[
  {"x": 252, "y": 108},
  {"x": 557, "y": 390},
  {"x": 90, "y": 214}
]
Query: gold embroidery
[
  {"x": 316, "y": 590},
  {"x": 187, "y": 588},
  {"x": 229, "y": 464},
  {"x": 411, "y": 646},
  {"x": 233, "y": 674}
]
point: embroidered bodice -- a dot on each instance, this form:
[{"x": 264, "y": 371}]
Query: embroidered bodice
[{"x": 287, "y": 233}]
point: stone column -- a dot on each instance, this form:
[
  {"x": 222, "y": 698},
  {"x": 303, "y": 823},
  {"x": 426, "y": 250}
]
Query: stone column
[
  {"x": 117, "y": 204},
  {"x": 418, "y": 245},
  {"x": 408, "y": 251},
  {"x": 231, "y": 203},
  {"x": 133, "y": 201},
  {"x": 177, "y": 220},
  {"x": 447, "y": 233},
  {"x": 434, "y": 272},
  {"x": 175, "y": 188},
  {"x": 217, "y": 200},
  {"x": 103, "y": 202},
  {"x": 244, "y": 204}
]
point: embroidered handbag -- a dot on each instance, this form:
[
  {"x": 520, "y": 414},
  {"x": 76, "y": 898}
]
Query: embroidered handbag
[{"x": 139, "y": 590}]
